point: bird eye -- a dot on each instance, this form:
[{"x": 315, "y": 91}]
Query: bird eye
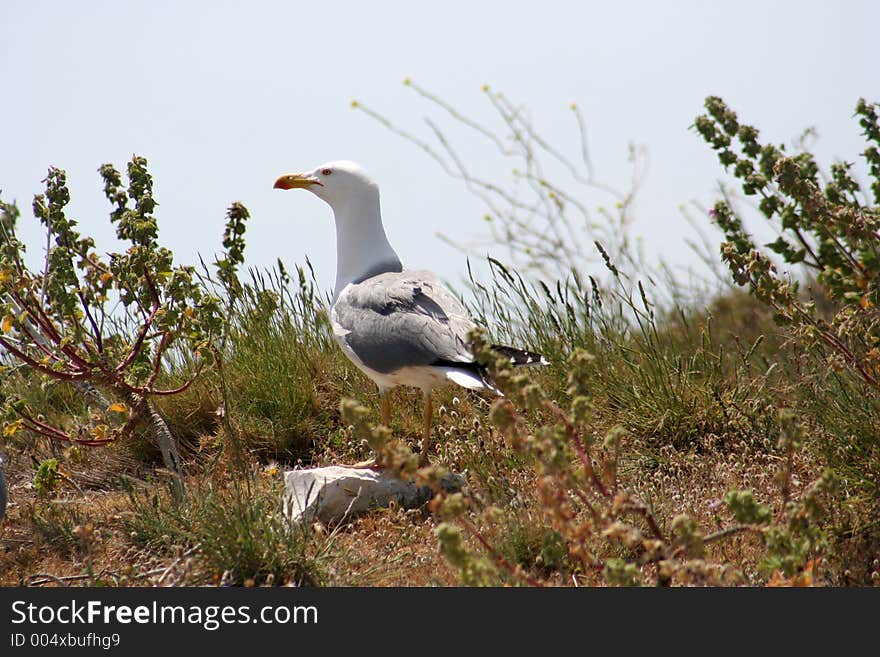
[{"x": 326, "y": 172}]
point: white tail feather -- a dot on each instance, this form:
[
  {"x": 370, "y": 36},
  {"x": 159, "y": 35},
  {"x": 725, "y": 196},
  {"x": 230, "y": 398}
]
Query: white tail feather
[{"x": 465, "y": 379}]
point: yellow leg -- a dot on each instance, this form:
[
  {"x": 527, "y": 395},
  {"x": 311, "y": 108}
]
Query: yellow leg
[
  {"x": 385, "y": 396},
  {"x": 426, "y": 427}
]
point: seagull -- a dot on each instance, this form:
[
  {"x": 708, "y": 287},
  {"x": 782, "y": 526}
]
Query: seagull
[{"x": 399, "y": 326}]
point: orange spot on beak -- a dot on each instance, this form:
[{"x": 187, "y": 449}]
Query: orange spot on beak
[{"x": 295, "y": 181}]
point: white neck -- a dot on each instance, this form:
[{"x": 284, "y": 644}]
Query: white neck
[{"x": 362, "y": 249}]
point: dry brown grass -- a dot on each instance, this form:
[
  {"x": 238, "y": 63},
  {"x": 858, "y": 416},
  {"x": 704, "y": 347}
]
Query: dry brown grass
[{"x": 389, "y": 547}]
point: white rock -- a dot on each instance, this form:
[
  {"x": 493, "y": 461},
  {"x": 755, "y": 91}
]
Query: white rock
[{"x": 334, "y": 493}]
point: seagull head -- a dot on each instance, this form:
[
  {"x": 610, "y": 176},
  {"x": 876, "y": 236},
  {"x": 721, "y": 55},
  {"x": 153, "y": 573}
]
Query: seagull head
[{"x": 336, "y": 183}]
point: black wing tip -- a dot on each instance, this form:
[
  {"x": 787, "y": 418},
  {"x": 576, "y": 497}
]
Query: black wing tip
[{"x": 520, "y": 357}]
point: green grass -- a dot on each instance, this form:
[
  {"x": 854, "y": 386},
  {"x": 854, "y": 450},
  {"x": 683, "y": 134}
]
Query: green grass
[
  {"x": 55, "y": 526},
  {"x": 671, "y": 376},
  {"x": 237, "y": 531},
  {"x": 281, "y": 370},
  {"x": 696, "y": 389}
]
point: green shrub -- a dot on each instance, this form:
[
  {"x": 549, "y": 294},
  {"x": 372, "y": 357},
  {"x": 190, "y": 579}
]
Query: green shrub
[
  {"x": 103, "y": 323},
  {"x": 828, "y": 227},
  {"x": 238, "y": 533}
]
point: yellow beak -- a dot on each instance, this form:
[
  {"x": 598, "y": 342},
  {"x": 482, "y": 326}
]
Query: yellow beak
[{"x": 295, "y": 181}]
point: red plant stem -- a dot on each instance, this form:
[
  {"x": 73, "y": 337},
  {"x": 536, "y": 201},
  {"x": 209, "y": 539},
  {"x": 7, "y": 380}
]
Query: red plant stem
[
  {"x": 642, "y": 510},
  {"x": 38, "y": 343},
  {"x": 44, "y": 429},
  {"x": 829, "y": 339},
  {"x": 836, "y": 344},
  {"x": 118, "y": 382},
  {"x": 583, "y": 499},
  {"x": 95, "y": 443},
  {"x": 47, "y": 326},
  {"x": 138, "y": 344},
  {"x": 39, "y": 317},
  {"x": 52, "y": 433},
  {"x": 729, "y": 531},
  {"x": 157, "y": 359},
  {"x": 65, "y": 376},
  {"x": 148, "y": 321},
  {"x": 153, "y": 291},
  {"x": 583, "y": 452},
  {"x": 516, "y": 572},
  {"x": 85, "y": 370},
  {"x": 96, "y": 333},
  {"x": 71, "y": 352},
  {"x": 584, "y": 455},
  {"x": 175, "y": 391}
]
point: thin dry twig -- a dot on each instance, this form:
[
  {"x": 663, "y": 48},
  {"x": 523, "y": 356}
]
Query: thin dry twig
[{"x": 195, "y": 548}]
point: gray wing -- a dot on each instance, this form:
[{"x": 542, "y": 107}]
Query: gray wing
[{"x": 401, "y": 319}]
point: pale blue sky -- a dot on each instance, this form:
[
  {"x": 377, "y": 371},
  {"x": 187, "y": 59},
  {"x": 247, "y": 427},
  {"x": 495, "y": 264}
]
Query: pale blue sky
[{"x": 221, "y": 97}]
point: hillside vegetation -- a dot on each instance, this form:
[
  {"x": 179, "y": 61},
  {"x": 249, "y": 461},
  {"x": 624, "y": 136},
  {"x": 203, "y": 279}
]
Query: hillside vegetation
[{"x": 150, "y": 409}]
